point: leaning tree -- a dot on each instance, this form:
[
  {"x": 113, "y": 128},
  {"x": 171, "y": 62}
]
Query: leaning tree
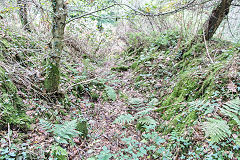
[{"x": 59, "y": 22}]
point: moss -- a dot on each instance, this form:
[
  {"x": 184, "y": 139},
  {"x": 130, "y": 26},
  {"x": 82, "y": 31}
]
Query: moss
[
  {"x": 184, "y": 89},
  {"x": 51, "y": 82},
  {"x": 171, "y": 111},
  {"x": 94, "y": 96},
  {"x": 82, "y": 127},
  {"x": 80, "y": 90},
  {"x": 181, "y": 121},
  {"x": 120, "y": 68},
  {"x": 135, "y": 65},
  {"x": 12, "y": 110}
]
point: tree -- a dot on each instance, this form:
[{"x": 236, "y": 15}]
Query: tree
[
  {"x": 23, "y": 14},
  {"x": 216, "y": 18},
  {"x": 211, "y": 24},
  {"x": 52, "y": 80}
]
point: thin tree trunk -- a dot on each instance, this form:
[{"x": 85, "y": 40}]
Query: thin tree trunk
[
  {"x": 52, "y": 80},
  {"x": 23, "y": 15},
  {"x": 216, "y": 18},
  {"x": 211, "y": 25}
]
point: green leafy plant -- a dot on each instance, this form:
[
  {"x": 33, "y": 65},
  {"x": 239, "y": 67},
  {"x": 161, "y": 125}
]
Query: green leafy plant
[
  {"x": 140, "y": 116},
  {"x": 216, "y": 129},
  {"x": 124, "y": 119},
  {"x": 150, "y": 146},
  {"x": 59, "y": 153},
  {"x": 104, "y": 154},
  {"x": 61, "y": 132},
  {"x": 111, "y": 93},
  {"x": 232, "y": 109}
]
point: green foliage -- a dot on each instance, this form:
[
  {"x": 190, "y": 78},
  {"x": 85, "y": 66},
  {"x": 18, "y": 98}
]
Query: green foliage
[
  {"x": 13, "y": 152},
  {"x": 147, "y": 120},
  {"x": 216, "y": 129},
  {"x": 232, "y": 109},
  {"x": 202, "y": 106},
  {"x": 124, "y": 119},
  {"x": 63, "y": 133},
  {"x": 120, "y": 68},
  {"x": 140, "y": 42},
  {"x": 141, "y": 116},
  {"x": 59, "y": 153},
  {"x": 82, "y": 128},
  {"x": 104, "y": 154},
  {"x": 95, "y": 88},
  {"x": 140, "y": 149},
  {"x": 135, "y": 101},
  {"x": 11, "y": 105},
  {"x": 111, "y": 93},
  {"x": 166, "y": 39}
]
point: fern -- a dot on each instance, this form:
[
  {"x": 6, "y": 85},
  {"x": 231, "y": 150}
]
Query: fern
[
  {"x": 216, "y": 129},
  {"x": 144, "y": 111},
  {"x": 124, "y": 119},
  {"x": 142, "y": 119},
  {"x": 61, "y": 132},
  {"x": 147, "y": 120},
  {"x": 46, "y": 125},
  {"x": 232, "y": 109},
  {"x": 202, "y": 106},
  {"x": 111, "y": 93}
]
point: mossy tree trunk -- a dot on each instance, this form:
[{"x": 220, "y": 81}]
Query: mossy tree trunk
[
  {"x": 22, "y": 4},
  {"x": 216, "y": 18},
  {"x": 52, "y": 80}
]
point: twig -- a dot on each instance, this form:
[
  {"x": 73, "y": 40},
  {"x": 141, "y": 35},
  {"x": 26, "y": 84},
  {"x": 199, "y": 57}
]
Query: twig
[
  {"x": 90, "y": 13},
  {"x": 9, "y": 140},
  {"x": 138, "y": 12},
  {"x": 82, "y": 82},
  {"x": 205, "y": 42}
]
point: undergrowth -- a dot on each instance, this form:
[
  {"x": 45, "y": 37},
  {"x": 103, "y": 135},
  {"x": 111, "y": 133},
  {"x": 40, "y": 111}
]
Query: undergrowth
[
  {"x": 190, "y": 108},
  {"x": 194, "y": 92}
]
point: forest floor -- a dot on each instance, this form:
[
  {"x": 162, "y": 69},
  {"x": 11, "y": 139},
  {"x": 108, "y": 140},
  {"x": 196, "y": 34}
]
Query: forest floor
[
  {"x": 102, "y": 129},
  {"x": 100, "y": 88}
]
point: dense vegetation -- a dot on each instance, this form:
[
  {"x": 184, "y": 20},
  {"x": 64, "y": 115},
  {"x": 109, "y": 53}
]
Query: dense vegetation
[{"x": 101, "y": 80}]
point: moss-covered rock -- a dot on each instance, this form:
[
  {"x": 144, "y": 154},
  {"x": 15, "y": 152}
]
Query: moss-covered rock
[{"x": 12, "y": 108}]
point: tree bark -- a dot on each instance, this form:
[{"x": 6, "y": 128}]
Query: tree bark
[
  {"x": 52, "y": 80},
  {"x": 210, "y": 26},
  {"x": 23, "y": 15},
  {"x": 216, "y": 18}
]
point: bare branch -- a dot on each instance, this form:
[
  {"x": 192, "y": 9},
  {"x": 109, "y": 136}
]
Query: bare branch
[
  {"x": 90, "y": 13},
  {"x": 138, "y": 12}
]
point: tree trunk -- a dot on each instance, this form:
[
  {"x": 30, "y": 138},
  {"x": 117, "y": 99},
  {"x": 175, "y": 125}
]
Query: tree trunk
[
  {"x": 23, "y": 15},
  {"x": 215, "y": 19},
  {"x": 52, "y": 80},
  {"x": 210, "y": 26}
]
